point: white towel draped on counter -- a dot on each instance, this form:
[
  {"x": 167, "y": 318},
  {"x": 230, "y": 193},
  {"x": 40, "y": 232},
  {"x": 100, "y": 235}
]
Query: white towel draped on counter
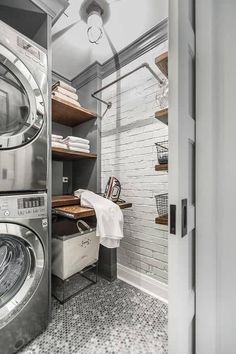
[{"x": 110, "y": 219}]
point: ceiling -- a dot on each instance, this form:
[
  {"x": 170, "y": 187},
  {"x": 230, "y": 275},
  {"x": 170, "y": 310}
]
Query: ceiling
[{"x": 128, "y": 20}]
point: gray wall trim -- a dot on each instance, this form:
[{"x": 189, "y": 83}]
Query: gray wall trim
[
  {"x": 92, "y": 72},
  {"x": 142, "y": 45}
]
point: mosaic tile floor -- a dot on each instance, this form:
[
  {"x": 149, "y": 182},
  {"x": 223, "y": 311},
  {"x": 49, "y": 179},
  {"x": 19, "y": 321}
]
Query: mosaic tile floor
[{"x": 106, "y": 318}]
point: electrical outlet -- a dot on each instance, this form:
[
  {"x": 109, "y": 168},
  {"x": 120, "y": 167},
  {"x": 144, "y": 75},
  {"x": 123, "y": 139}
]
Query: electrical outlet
[{"x": 65, "y": 179}]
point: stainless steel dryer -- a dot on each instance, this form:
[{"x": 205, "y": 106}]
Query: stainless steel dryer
[
  {"x": 24, "y": 272},
  {"x": 23, "y": 113}
]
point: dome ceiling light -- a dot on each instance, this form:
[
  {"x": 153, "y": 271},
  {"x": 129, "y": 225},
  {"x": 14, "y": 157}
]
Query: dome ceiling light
[
  {"x": 95, "y": 24},
  {"x": 95, "y": 14}
]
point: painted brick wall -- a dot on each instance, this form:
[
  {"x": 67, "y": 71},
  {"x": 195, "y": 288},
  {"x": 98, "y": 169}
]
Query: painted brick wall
[{"x": 129, "y": 133}]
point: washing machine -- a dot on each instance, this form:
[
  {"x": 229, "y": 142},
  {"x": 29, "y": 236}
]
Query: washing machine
[
  {"x": 24, "y": 271},
  {"x": 23, "y": 113}
]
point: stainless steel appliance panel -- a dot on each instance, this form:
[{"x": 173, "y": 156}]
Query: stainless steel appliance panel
[
  {"x": 23, "y": 113},
  {"x": 24, "y": 269}
]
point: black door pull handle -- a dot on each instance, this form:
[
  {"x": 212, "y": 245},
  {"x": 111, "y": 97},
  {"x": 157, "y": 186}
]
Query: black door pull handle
[
  {"x": 184, "y": 217},
  {"x": 173, "y": 219}
]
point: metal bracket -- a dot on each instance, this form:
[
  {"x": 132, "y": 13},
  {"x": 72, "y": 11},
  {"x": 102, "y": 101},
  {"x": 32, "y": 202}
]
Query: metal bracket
[{"x": 109, "y": 104}]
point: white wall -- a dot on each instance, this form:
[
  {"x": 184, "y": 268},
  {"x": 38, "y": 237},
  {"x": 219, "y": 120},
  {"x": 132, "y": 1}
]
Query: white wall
[
  {"x": 216, "y": 176},
  {"x": 129, "y": 133}
]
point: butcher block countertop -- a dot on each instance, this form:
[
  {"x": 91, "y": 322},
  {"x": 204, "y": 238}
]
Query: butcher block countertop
[
  {"x": 64, "y": 200},
  {"x": 69, "y": 206}
]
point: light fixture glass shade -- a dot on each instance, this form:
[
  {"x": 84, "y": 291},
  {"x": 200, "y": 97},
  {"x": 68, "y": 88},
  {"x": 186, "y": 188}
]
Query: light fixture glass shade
[{"x": 94, "y": 23}]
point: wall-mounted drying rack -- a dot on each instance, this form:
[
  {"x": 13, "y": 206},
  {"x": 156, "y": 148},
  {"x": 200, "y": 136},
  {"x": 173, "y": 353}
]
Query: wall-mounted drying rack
[{"x": 109, "y": 104}]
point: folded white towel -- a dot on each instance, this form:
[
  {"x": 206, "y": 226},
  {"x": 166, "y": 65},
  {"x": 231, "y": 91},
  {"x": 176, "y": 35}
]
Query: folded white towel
[
  {"x": 66, "y": 98},
  {"x": 57, "y": 144},
  {"x": 64, "y": 85},
  {"x": 57, "y": 141},
  {"x": 78, "y": 149},
  {"x": 75, "y": 139},
  {"x": 110, "y": 219},
  {"x": 78, "y": 145},
  {"x": 57, "y": 137},
  {"x": 65, "y": 92}
]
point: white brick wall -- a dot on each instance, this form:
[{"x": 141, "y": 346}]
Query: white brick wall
[{"x": 129, "y": 132}]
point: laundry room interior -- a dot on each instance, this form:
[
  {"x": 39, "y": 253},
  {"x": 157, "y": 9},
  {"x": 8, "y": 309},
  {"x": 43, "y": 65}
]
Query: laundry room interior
[{"x": 84, "y": 176}]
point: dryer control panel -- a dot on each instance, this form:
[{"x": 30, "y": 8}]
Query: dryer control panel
[
  {"x": 23, "y": 46},
  {"x": 31, "y": 206}
]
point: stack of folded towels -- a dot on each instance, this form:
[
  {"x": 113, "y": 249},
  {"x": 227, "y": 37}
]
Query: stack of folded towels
[
  {"x": 57, "y": 141},
  {"x": 77, "y": 144},
  {"x": 66, "y": 92},
  {"x": 71, "y": 142}
]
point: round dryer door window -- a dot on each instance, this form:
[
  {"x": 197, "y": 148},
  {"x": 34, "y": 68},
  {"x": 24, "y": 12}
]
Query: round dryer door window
[
  {"x": 21, "y": 102},
  {"x": 21, "y": 267},
  {"x": 15, "y": 106}
]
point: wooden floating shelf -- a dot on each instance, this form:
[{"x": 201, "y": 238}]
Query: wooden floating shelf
[
  {"x": 162, "y": 220},
  {"x": 163, "y": 167},
  {"x": 162, "y": 115},
  {"x": 162, "y": 63},
  {"x": 68, "y": 113},
  {"x": 66, "y": 154},
  {"x": 77, "y": 212},
  {"x": 64, "y": 200}
]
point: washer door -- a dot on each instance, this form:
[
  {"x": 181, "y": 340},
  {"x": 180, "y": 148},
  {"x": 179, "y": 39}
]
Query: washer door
[
  {"x": 22, "y": 263},
  {"x": 21, "y": 102}
]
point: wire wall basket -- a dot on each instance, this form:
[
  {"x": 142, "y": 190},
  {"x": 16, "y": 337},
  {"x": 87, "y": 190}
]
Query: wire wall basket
[
  {"x": 162, "y": 151},
  {"x": 162, "y": 204}
]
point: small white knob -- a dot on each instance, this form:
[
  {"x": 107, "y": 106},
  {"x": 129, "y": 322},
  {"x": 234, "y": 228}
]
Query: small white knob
[{"x": 6, "y": 213}]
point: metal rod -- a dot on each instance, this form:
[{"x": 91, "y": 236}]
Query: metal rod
[{"x": 109, "y": 104}]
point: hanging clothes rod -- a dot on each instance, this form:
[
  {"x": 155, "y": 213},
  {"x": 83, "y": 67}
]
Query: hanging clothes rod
[{"x": 109, "y": 104}]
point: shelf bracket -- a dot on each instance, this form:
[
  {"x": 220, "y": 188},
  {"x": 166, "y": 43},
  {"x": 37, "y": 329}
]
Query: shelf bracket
[{"x": 109, "y": 104}]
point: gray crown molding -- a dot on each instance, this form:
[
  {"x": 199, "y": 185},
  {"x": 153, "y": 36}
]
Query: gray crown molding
[
  {"x": 151, "y": 39},
  {"x": 142, "y": 45},
  {"x": 92, "y": 72}
]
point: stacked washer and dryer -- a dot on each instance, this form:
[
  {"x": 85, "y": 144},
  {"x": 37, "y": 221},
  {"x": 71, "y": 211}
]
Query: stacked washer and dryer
[{"x": 24, "y": 237}]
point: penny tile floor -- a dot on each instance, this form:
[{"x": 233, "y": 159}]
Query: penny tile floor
[{"x": 105, "y": 318}]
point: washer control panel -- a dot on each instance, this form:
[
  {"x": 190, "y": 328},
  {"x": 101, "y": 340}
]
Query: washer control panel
[{"x": 31, "y": 206}]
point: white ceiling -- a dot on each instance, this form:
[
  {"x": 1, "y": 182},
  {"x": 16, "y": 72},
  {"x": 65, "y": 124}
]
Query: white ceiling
[{"x": 129, "y": 19}]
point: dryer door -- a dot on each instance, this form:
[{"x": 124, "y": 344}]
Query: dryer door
[
  {"x": 21, "y": 102},
  {"x": 22, "y": 263}
]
